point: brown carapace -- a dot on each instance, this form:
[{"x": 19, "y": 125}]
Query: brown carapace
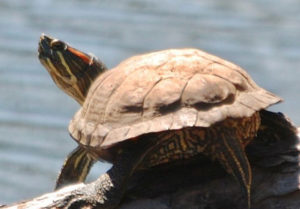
[{"x": 153, "y": 109}]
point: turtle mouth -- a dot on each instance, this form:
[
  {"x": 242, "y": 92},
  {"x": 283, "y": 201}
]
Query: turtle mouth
[
  {"x": 44, "y": 48},
  {"x": 47, "y": 46}
]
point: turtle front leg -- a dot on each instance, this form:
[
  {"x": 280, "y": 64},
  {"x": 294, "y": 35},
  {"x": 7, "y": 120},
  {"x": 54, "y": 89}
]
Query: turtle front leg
[
  {"x": 75, "y": 169},
  {"x": 108, "y": 190},
  {"x": 230, "y": 153}
]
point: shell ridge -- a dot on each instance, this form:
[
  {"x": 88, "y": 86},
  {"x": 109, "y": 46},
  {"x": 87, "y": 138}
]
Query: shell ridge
[
  {"x": 127, "y": 131},
  {"x": 243, "y": 103},
  {"x": 236, "y": 69},
  {"x": 196, "y": 119},
  {"x": 206, "y": 67},
  {"x": 220, "y": 61},
  {"x": 215, "y": 59},
  {"x": 214, "y": 74},
  {"x": 186, "y": 84},
  {"x": 115, "y": 136},
  {"x": 259, "y": 97},
  {"x": 172, "y": 121},
  {"x": 235, "y": 85},
  {"x": 184, "y": 87},
  {"x": 95, "y": 89},
  {"x": 113, "y": 93},
  {"x": 268, "y": 95},
  {"x": 99, "y": 138},
  {"x": 146, "y": 95}
]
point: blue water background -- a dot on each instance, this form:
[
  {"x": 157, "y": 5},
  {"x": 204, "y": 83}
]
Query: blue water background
[{"x": 262, "y": 36}]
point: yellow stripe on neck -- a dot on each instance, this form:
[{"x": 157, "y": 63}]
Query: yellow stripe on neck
[
  {"x": 53, "y": 73},
  {"x": 63, "y": 62},
  {"x": 78, "y": 96}
]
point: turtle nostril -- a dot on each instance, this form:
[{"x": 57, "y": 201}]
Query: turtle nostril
[{"x": 57, "y": 45}]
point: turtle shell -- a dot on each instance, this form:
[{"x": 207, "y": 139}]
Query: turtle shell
[{"x": 162, "y": 91}]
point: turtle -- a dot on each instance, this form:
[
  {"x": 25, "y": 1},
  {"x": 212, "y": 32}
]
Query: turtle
[{"x": 153, "y": 109}]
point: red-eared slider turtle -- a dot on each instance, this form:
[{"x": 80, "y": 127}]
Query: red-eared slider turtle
[{"x": 152, "y": 109}]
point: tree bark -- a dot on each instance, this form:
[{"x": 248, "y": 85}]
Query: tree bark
[{"x": 200, "y": 183}]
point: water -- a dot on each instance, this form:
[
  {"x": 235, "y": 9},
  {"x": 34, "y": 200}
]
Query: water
[{"x": 262, "y": 36}]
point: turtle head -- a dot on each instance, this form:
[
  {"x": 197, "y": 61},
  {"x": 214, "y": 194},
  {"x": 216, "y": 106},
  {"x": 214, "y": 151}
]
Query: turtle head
[{"x": 72, "y": 70}]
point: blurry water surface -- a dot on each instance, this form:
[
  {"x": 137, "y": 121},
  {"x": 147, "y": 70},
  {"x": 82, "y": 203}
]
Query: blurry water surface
[{"x": 262, "y": 36}]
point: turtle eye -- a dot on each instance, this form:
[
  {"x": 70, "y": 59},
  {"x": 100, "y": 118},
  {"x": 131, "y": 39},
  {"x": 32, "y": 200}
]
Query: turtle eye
[{"x": 57, "y": 45}]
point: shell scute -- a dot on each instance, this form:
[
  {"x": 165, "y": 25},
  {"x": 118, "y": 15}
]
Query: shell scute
[
  {"x": 203, "y": 88},
  {"x": 165, "y": 94},
  {"x": 128, "y": 99},
  {"x": 162, "y": 91}
]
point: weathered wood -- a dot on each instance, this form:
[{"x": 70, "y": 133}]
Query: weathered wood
[{"x": 199, "y": 183}]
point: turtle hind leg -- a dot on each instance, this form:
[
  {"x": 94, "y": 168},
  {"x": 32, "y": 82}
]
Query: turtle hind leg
[
  {"x": 233, "y": 158},
  {"x": 75, "y": 169}
]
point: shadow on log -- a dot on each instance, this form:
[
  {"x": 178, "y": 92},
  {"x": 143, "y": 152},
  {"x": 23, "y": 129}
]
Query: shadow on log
[{"x": 201, "y": 184}]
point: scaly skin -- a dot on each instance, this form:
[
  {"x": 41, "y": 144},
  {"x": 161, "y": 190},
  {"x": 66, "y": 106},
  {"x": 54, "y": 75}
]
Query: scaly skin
[
  {"x": 72, "y": 71},
  {"x": 75, "y": 168}
]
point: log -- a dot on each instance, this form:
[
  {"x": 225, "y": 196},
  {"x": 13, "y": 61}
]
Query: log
[{"x": 200, "y": 183}]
